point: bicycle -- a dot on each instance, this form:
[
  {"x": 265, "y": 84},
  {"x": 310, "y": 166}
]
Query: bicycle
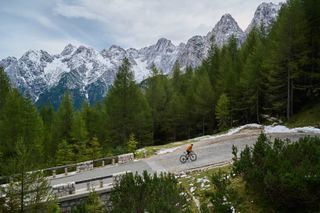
[{"x": 192, "y": 156}]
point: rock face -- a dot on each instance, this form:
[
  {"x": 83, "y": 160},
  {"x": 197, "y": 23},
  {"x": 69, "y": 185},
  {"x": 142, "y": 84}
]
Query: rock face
[
  {"x": 265, "y": 15},
  {"x": 88, "y": 74}
]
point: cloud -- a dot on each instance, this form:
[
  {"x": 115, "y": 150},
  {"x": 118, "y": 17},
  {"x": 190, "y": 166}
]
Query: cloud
[
  {"x": 50, "y": 25},
  {"x": 138, "y": 23}
]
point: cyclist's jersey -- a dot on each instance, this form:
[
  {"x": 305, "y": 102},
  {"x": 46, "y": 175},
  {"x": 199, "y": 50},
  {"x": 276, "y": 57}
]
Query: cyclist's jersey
[{"x": 189, "y": 148}]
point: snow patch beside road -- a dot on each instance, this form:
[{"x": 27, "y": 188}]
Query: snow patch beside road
[
  {"x": 284, "y": 129},
  {"x": 266, "y": 129}
]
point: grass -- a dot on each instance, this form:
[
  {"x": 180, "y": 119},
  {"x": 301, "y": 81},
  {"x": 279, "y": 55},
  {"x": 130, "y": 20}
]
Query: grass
[
  {"x": 247, "y": 200},
  {"x": 307, "y": 116}
]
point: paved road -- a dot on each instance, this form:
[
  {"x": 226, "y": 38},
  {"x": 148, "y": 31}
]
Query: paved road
[{"x": 209, "y": 151}]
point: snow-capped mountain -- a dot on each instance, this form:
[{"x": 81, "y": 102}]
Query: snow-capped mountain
[
  {"x": 88, "y": 73},
  {"x": 226, "y": 28},
  {"x": 265, "y": 15}
]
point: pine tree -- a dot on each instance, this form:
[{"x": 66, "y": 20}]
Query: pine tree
[
  {"x": 223, "y": 112},
  {"x": 156, "y": 95},
  {"x": 189, "y": 102},
  {"x": 63, "y": 122},
  {"x": 48, "y": 115},
  {"x": 204, "y": 99},
  {"x": 20, "y": 120},
  {"x": 214, "y": 64},
  {"x": 173, "y": 117},
  {"x": 164, "y": 194},
  {"x": 252, "y": 79},
  {"x": 127, "y": 110},
  {"x": 5, "y": 88},
  {"x": 132, "y": 144},
  {"x": 92, "y": 118},
  {"x": 309, "y": 78},
  {"x": 286, "y": 57},
  {"x": 93, "y": 149},
  {"x": 229, "y": 77},
  {"x": 65, "y": 154},
  {"x": 94, "y": 204},
  {"x": 27, "y": 191}
]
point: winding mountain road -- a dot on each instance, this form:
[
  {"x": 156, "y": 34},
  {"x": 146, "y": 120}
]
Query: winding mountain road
[{"x": 210, "y": 151}]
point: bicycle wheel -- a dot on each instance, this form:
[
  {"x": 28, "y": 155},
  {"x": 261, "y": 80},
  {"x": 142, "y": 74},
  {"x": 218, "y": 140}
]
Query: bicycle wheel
[
  {"x": 183, "y": 158},
  {"x": 193, "y": 156}
]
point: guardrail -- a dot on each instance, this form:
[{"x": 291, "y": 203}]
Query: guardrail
[
  {"x": 65, "y": 189},
  {"x": 83, "y": 166},
  {"x": 80, "y": 167}
]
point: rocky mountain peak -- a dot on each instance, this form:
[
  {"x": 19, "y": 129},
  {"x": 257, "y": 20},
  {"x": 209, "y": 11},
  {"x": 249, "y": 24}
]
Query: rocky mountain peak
[
  {"x": 224, "y": 29},
  {"x": 68, "y": 50},
  {"x": 37, "y": 56},
  {"x": 4, "y": 63},
  {"x": 163, "y": 44},
  {"x": 227, "y": 24},
  {"x": 264, "y": 16}
]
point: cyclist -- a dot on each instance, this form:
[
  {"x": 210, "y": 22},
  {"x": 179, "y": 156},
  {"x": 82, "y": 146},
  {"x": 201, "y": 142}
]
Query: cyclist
[{"x": 189, "y": 150}]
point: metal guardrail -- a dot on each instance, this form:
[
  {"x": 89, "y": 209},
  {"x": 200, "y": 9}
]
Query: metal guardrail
[
  {"x": 86, "y": 165},
  {"x": 93, "y": 179},
  {"x": 68, "y": 189},
  {"x": 65, "y": 168}
]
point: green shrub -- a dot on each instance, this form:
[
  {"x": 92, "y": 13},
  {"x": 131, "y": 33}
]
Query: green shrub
[
  {"x": 146, "y": 193},
  {"x": 286, "y": 174}
]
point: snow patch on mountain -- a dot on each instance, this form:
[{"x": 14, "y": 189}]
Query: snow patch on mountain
[
  {"x": 141, "y": 70},
  {"x": 53, "y": 71}
]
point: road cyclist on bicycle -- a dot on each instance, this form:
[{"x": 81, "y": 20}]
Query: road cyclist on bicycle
[{"x": 189, "y": 150}]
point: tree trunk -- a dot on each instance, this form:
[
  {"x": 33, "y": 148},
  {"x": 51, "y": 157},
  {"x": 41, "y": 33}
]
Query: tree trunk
[
  {"x": 257, "y": 110},
  {"x": 203, "y": 125},
  {"x": 22, "y": 193},
  {"x": 288, "y": 93}
]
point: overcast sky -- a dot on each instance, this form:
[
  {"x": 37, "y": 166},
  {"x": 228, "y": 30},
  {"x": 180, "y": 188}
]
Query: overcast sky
[{"x": 52, "y": 24}]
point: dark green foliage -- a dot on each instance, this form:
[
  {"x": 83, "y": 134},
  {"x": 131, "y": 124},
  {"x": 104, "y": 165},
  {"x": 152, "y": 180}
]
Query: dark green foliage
[
  {"x": 19, "y": 119},
  {"x": 127, "y": 110},
  {"x": 204, "y": 99},
  {"x": 157, "y": 94},
  {"x": 92, "y": 150},
  {"x": 287, "y": 56},
  {"x": 223, "y": 198},
  {"x": 93, "y": 204},
  {"x": 47, "y": 114},
  {"x": 146, "y": 193},
  {"x": 310, "y": 80},
  {"x": 286, "y": 174},
  {"x": 65, "y": 153},
  {"x": 4, "y": 88},
  {"x": 223, "y": 112},
  {"x": 27, "y": 191}
]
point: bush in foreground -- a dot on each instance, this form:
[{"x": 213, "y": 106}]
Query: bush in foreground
[
  {"x": 146, "y": 193},
  {"x": 286, "y": 174}
]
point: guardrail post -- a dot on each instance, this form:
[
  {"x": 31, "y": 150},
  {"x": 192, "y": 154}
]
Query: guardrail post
[
  {"x": 101, "y": 183},
  {"x": 113, "y": 161},
  {"x": 66, "y": 171},
  {"x": 145, "y": 154},
  {"x": 102, "y": 163},
  {"x": 54, "y": 173},
  {"x": 88, "y": 186}
]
